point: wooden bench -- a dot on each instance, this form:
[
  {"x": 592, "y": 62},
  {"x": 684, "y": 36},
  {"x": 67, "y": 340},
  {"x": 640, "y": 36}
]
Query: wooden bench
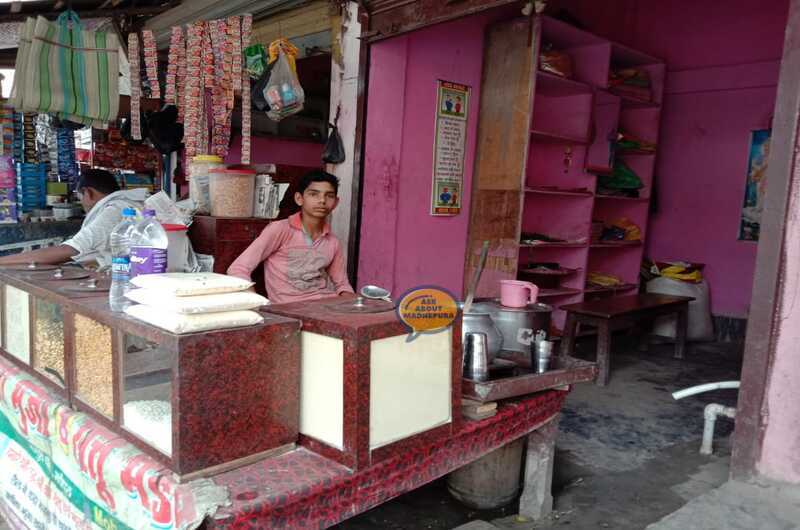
[{"x": 620, "y": 312}]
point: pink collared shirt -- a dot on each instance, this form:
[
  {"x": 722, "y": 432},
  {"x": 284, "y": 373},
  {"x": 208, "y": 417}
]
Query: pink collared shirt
[{"x": 295, "y": 267}]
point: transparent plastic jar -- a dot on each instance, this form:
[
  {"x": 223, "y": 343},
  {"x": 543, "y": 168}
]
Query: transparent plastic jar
[
  {"x": 232, "y": 192},
  {"x": 198, "y": 175}
]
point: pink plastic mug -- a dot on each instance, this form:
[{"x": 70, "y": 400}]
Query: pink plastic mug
[{"x": 514, "y": 293}]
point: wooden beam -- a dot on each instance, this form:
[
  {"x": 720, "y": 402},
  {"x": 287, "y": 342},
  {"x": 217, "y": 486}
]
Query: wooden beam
[
  {"x": 764, "y": 320},
  {"x": 94, "y": 13}
]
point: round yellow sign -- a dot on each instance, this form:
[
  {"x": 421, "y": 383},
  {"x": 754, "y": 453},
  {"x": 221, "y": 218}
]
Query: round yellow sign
[{"x": 427, "y": 310}]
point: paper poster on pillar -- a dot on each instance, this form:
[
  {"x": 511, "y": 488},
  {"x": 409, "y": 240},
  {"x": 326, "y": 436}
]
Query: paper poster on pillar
[{"x": 448, "y": 148}]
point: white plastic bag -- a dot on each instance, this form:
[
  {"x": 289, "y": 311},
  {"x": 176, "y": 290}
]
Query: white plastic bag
[
  {"x": 701, "y": 327},
  {"x": 283, "y": 92},
  {"x": 193, "y": 305},
  {"x": 191, "y": 283},
  {"x": 179, "y": 324}
]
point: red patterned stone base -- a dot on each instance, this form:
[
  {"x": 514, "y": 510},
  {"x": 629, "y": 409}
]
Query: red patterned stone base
[{"x": 304, "y": 490}]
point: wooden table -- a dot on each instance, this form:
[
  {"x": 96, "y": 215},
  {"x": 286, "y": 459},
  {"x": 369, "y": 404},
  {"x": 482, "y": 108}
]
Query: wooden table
[{"x": 620, "y": 312}]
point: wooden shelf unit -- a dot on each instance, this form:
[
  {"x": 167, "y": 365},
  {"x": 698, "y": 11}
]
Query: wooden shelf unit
[{"x": 563, "y": 147}]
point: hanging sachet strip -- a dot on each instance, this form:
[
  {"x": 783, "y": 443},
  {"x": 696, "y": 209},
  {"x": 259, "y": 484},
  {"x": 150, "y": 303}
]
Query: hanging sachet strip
[
  {"x": 181, "y": 81},
  {"x": 194, "y": 42},
  {"x": 234, "y": 23},
  {"x": 151, "y": 63},
  {"x": 218, "y": 105},
  {"x": 208, "y": 56},
  {"x": 133, "y": 59},
  {"x": 176, "y": 40},
  {"x": 247, "y": 27}
]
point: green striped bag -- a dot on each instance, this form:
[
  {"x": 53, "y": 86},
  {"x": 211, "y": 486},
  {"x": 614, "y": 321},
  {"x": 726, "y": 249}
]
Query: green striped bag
[{"x": 69, "y": 71}]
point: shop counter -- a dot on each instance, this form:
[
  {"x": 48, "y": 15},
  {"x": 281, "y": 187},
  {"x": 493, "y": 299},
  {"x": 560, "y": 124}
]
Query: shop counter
[
  {"x": 198, "y": 403},
  {"x": 367, "y": 391},
  {"x": 303, "y": 490}
]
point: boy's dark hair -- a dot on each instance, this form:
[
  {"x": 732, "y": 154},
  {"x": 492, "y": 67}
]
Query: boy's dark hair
[
  {"x": 98, "y": 179},
  {"x": 317, "y": 175}
]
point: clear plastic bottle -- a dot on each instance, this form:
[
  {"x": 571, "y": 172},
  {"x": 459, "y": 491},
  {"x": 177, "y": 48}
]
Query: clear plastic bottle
[
  {"x": 121, "y": 260},
  {"x": 149, "y": 246}
]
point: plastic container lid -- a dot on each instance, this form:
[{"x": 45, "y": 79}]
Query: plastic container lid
[
  {"x": 213, "y": 159},
  {"x": 174, "y": 228}
]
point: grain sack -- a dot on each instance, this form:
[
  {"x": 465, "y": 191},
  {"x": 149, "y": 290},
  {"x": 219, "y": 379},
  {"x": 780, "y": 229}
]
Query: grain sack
[
  {"x": 701, "y": 327},
  {"x": 200, "y": 304},
  {"x": 191, "y": 283},
  {"x": 179, "y": 324}
]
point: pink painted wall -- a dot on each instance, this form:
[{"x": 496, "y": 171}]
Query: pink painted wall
[
  {"x": 277, "y": 151},
  {"x": 722, "y": 61},
  {"x": 402, "y": 245}
]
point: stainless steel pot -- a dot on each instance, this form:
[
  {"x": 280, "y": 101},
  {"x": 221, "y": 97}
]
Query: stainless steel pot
[
  {"x": 481, "y": 322},
  {"x": 516, "y": 325}
]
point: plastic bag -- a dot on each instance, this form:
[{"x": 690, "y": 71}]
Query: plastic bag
[
  {"x": 191, "y": 284},
  {"x": 255, "y": 60},
  {"x": 283, "y": 92},
  {"x": 204, "y": 303},
  {"x": 178, "y": 323},
  {"x": 334, "y": 149},
  {"x": 556, "y": 62}
]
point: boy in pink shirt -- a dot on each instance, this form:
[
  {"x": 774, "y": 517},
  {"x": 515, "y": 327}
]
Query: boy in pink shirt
[{"x": 302, "y": 258}]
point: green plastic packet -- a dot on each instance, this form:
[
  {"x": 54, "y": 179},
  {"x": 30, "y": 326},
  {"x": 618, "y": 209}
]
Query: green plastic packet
[{"x": 255, "y": 60}]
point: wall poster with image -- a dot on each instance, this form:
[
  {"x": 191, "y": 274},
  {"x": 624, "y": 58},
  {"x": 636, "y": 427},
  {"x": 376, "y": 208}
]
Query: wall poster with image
[
  {"x": 448, "y": 149},
  {"x": 755, "y": 186}
]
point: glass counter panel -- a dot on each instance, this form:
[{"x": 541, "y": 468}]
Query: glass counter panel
[
  {"x": 147, "y": 395},
  {"x": 93, "y": 364},
  {"x": 18, "y": 331},
  {"x": 48, "y": 340}
]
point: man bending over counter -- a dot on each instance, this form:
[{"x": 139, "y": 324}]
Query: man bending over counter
[
  {"x": 302, "y": 258},
  {"x": 103, "y": 202}
]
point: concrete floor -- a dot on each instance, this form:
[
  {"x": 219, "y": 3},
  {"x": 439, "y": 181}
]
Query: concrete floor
[{"x": 627, "y": 455}]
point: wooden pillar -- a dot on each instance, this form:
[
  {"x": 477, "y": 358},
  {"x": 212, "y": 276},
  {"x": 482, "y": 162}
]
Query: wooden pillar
[
  {"x": 348, "y": 91},
  {"x": 770, "y": 284},
  {"x": 537, "y": 498}
]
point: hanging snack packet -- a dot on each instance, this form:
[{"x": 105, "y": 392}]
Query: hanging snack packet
[{"x": 255, "y": 60}]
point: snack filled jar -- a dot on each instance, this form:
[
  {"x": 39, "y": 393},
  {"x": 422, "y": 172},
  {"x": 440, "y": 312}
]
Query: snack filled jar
[
  {"x": 231, "y": 192},
  {"x": 199, "y": 175}
]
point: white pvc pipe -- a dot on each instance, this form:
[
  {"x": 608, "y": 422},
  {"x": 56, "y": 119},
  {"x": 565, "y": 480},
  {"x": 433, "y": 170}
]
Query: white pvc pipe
[
  {"x": 711, "y": 412},
  {"x": 708, "y": 387}
]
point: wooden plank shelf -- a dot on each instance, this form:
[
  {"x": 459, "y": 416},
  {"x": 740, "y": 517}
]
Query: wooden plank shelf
[
  {"x": 542, "y": 271},
  {"x": 561, "y": 291},
  {"x": 558, "y": 191},
  {"x": 616, "y": 244},
  {"x": 610, "y": 289},
  {"x": 621, "y": 198},
  {"x": 553, "y": 85},
  {"x": 564, "y": 370},
  {"x": 548, "y": 137},
  {"x": 545, "y": 244},
  {"x": 633, "y": 152}
]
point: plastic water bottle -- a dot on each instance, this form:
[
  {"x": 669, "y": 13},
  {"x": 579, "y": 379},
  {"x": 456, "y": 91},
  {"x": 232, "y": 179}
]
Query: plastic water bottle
[
  {"x": 121, "y": 260},
  {"x": 149, "y": 246}
]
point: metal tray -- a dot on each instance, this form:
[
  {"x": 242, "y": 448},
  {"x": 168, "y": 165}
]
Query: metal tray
[
  {"x": 523, "y": 381},
  {"x": 30, "y": 267},
  {"x": 66, "y": 273}
]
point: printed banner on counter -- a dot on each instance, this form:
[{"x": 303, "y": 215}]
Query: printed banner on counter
[
  {"x": 61, "y": 470},
  {"x": 448, "y": 148}
]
